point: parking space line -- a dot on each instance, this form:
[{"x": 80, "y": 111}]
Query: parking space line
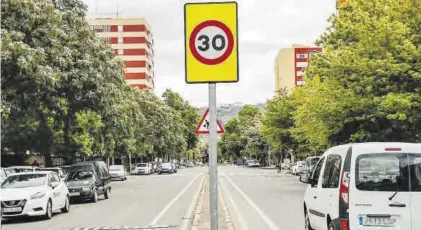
[
  {"x": 168, "y": 206},
  {"x": 270, "y": 224}
]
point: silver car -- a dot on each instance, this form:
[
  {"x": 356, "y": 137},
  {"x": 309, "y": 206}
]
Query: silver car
[{"x": 118, "y": 172}]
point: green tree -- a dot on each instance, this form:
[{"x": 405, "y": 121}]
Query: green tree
[{"x": 366, "y": 85}]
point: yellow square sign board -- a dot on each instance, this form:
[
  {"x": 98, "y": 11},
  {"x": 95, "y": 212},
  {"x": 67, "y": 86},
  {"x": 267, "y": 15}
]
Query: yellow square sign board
[{"x": 211, "y": 42}]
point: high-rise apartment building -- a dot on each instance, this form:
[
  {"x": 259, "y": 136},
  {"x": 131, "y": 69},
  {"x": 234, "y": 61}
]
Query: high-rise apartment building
[
  {"x": 290, "y": 64},
  {"x": 132, "y": 41}
]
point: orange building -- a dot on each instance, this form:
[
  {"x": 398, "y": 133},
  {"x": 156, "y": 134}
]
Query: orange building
[{"x": 132, "y": 41}]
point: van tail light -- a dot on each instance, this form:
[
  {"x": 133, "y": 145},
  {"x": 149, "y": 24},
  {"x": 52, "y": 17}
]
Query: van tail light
[
  {"x": 344, "y": 188},
  {"x": 344, "y": 225}
]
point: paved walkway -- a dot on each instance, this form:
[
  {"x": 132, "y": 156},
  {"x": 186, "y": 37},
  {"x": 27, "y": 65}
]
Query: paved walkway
[{"x": 201, "y": 220}]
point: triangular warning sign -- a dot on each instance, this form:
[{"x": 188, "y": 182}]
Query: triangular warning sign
[{"x": 203, "y": 127}]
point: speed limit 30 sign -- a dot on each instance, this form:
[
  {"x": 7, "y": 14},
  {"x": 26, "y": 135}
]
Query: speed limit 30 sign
[{"x": 211, "y": 42}]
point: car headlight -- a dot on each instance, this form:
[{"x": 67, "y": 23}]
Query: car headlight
[
  {"x": 86, "y": 189},
  {"x": 38, "y": 195}
]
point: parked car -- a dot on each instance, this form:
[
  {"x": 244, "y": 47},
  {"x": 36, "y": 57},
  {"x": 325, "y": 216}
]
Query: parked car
[
  {"x": 167, "y": 168},
  {"x": 18, "y": 169},
  {"x": 57, "y": 170},
  {"x": 143, "y": 168},
  {"x": 33, "y": 194},
  {"x": 365, "y": 186},
  {"x": 65, "y": 168},
  {"x": 88, "y": 180},
  {"x": 190, "y": 164},
  {"x": 299, "y": 168},
  {"x": 253, "y": 163},
  {"x": 118, "y": 172}
]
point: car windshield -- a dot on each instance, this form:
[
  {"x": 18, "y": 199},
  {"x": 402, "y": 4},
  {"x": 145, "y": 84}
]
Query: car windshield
[
  {"x": 116, "y": 168},
  {"x": 24, "y": 181},
  {"x": 378, "y": 172},
  {"x": 50, "y": 170},
  {"x": 80, "y": 176},
  {"x": 3, "y": 173},
  {"x": 18, "y": 170},
  {"x": 166, "y": 165},
  {"x": 141, "y": 165}
]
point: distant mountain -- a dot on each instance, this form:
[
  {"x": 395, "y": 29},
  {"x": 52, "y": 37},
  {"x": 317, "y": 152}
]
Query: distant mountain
[{"x": 226, "y": 112}]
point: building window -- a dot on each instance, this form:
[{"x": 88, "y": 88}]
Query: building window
[
  {"x": 120, "y": 40},
  {"x": 120, "y": 51},
  {"x": 101, "y": 28},
  {"x": 303, "y": 56},
  {"x": 120, "y": 28}
]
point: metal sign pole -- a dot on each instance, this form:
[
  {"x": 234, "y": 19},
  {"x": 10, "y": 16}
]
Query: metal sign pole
[{"x": 213, "y": 171}]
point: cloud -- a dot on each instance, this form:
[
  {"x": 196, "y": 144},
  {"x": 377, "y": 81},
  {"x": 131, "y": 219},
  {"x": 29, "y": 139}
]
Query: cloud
[{"x": 264, "y": 28}]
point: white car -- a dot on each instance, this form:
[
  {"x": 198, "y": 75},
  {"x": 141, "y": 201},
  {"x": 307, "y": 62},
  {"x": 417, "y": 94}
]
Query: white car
[
  {"x": 118, "y": 171},
  {"x": 33, "y": 194},
  {"x": 253, "y": 163},
  {"x": 143, "y": 168},
  {"x": 299, "y": 168},
  {"x": 367, "y": 186}
]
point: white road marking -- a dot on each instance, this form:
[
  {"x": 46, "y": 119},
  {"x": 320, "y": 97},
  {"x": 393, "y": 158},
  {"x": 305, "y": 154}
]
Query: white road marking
[
  {"x": 271, "y": 225},
  {"x": 225, "y": 209},
  {"x": 189, "y": 214},
  {"x": 168, "y": 206},
  {"x": 237, "y": 212}
]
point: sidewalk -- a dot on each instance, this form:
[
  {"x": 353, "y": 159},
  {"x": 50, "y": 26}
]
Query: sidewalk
[{"x": 201, "y": 219}]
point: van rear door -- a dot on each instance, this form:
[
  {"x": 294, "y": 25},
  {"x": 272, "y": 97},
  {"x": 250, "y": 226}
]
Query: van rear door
[
  {"x": 415, "y": 161},
  {"x": 379, "y": 188}
]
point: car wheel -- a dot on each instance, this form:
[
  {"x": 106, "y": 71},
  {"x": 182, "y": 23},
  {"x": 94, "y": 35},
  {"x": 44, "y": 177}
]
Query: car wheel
[
  {"x": 307, "y": 222},
  {"x": 66, "y": 207},
  {"x": 107, "y": 193},
  {"x": 331, "y": 226},
  {"x": 49, "y": 210},
  {"x": 95, "y": 196}
]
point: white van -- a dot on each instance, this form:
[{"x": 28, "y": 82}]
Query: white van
[{"x": 367, "y": 186}]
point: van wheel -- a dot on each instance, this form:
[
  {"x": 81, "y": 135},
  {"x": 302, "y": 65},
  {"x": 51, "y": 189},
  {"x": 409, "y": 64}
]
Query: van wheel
[
  {"x": 107, "y": 193},
  {"x": 307, "y": 222}
]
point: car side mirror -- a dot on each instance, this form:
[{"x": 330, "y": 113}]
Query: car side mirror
[
  {"x": 54, "y": 184},
  {"x": 305, "y": 178}
]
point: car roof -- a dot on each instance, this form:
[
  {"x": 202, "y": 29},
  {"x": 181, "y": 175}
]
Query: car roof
[{"x": 380, "y": 145}]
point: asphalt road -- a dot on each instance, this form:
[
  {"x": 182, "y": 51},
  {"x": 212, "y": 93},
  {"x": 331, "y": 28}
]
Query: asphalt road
[
  {"x": 256, "y": 199},
  {"x": 141, "y": 201},
  {"x": 262, "y": 198}
]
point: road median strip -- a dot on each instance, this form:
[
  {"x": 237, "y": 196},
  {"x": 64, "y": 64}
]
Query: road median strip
[{"x": 201, "y": 219}]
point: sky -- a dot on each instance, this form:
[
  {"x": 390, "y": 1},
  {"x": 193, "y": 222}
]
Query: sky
[{"x": 265, "y": 26}]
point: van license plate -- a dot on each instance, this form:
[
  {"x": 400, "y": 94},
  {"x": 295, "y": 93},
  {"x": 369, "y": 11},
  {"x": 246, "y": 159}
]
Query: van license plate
[{"x": 379, "y": 221}]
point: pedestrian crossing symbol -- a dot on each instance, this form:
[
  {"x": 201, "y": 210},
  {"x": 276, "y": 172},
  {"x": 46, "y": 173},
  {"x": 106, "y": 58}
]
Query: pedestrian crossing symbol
[{"x": 203, "y": 126}]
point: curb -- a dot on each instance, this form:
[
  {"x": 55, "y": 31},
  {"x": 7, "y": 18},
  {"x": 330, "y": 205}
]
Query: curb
[
  {"x": 191, "y": 215},
  {"x": 199, "y": 201}
]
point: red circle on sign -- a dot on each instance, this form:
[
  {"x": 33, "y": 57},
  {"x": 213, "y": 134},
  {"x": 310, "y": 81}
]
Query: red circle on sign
[{"x": 225, "y": 55}]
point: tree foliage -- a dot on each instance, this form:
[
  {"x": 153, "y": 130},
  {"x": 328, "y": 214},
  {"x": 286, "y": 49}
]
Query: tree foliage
[
  {"x": 63, "y": 90},
  {"x": 365, "y": 86}
]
